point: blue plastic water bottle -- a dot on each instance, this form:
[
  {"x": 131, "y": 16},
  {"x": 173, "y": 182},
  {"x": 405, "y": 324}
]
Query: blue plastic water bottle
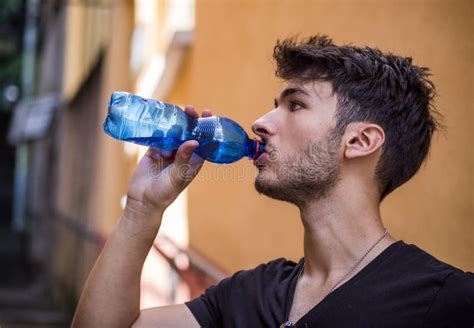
[{"x": 164, "y": 126}]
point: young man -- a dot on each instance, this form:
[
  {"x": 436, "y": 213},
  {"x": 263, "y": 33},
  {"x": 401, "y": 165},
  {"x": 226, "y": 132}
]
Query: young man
[{"x": 351, "y": 125}]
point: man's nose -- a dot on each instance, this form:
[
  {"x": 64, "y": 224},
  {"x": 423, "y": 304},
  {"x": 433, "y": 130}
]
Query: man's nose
[{"x": 263, "y": 127}]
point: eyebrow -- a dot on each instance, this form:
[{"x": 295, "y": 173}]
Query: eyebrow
[{"x": 290, "y": 91}]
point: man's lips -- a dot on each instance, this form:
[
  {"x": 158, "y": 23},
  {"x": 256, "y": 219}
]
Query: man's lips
[{"x": 261, "y": 159}]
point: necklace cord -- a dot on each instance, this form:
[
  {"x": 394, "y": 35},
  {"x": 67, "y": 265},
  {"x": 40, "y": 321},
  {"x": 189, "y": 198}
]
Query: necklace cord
[
  {"x": 288, "y": 323},
  {"x": 357, "y": 263}
]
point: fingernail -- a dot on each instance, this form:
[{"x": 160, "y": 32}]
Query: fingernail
[{"x": 166, "y": 153}]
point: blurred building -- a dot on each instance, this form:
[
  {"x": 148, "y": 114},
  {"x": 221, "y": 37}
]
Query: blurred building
[{"x": 216, "y": 54}]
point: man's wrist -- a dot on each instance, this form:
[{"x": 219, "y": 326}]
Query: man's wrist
[
  {"x": 137, "y": 220},
  {"x": 136, "y": 210},
  {"x": 138, "y": 213}
]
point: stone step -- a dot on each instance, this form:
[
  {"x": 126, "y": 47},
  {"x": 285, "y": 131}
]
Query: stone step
[
  {"x": 31, "y": 296},
  {"x": 29, "y": 306},
  {"x": 15, "y": 318}
]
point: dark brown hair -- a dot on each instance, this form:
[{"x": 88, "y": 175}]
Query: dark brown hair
[{"x": 371, "y": 86}]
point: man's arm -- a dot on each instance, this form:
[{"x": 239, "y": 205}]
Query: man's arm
[{"x": 111, "y": 295}]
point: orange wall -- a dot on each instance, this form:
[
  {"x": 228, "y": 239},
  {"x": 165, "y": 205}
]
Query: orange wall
[{"x": 230, "y": 71}]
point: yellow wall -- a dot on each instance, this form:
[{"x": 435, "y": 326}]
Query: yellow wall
[
  {"x": 230, "y": 71},
  {"x": 93, "y": 170}
]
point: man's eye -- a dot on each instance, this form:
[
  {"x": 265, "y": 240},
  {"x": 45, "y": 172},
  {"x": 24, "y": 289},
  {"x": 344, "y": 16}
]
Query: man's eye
[{"x": 294, "y": 106}]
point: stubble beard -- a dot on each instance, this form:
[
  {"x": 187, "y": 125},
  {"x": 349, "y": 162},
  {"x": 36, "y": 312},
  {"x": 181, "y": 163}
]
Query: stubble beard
[{"x": 305, "y": 176}]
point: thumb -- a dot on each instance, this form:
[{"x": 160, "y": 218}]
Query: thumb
[
  {"x": 184, "y": 152},
  {"x": 182, "y": 170}
]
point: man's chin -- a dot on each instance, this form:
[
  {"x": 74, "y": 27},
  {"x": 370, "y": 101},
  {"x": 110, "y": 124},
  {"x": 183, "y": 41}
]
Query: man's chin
[
  {"x": 263, "y": 180},
  {"x": 268, "y": 188},
  {"x": 261, "y": 184}
]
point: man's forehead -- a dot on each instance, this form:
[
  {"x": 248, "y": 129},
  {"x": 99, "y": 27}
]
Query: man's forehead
[{"x": 320, "y": 89}]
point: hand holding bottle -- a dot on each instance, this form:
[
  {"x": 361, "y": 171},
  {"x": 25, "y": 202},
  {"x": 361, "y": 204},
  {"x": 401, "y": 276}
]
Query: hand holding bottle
[
  {"x": 111, "y": 295},
  {"x": 161, "y": 176},
  {"x": 159, "y": 125}
]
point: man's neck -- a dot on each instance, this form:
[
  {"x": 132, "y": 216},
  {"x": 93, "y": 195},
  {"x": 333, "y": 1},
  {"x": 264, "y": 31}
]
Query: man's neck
[{"x": 338, "y": 231}]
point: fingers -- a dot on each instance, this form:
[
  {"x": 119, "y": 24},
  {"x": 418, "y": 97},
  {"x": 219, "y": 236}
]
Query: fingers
[
  {"x": 182, "y": 156},
  {"x": 206, "y": 113},
  {"x": 168, "y": 154},
  {"x": 185, "y": 169},
  {"x": 153, "y": 154},
  {"x": 191, "y": 111}
]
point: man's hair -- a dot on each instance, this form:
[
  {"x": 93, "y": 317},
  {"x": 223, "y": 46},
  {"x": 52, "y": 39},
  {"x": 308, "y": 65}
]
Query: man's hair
[{"x": 375, "y": 87}]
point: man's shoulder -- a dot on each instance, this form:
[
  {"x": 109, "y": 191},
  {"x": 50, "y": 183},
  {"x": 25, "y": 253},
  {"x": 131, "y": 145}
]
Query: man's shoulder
[
  {"x": 277, "y": 269},
  {"x": 410, "y": 269},
  {"x": 280, "y": 264},
  {"x": 418, "y": 268},
  {"x": 460, "y": 283},
  {"x": 453, "y": 304},
  {"x": 415, "y": 260}
]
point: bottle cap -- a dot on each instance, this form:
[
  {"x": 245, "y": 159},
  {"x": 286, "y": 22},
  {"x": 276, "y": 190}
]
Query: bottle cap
[{"x": 255, "y": 149}]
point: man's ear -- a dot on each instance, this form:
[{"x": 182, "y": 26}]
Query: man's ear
[{"x": 362, "y": 139}]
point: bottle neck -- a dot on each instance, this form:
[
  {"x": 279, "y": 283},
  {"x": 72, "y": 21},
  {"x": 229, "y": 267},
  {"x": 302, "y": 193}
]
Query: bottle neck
[{"x": 254, "y": 148}]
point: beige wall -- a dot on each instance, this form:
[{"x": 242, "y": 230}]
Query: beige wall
[{"x": 230, "y": 71}]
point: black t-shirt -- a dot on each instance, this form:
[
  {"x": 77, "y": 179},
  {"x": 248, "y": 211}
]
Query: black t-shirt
[{"x": 402, "y": 287}]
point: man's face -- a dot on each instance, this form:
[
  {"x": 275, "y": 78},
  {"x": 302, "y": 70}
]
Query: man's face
[{"x": 302, "y": 156}]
